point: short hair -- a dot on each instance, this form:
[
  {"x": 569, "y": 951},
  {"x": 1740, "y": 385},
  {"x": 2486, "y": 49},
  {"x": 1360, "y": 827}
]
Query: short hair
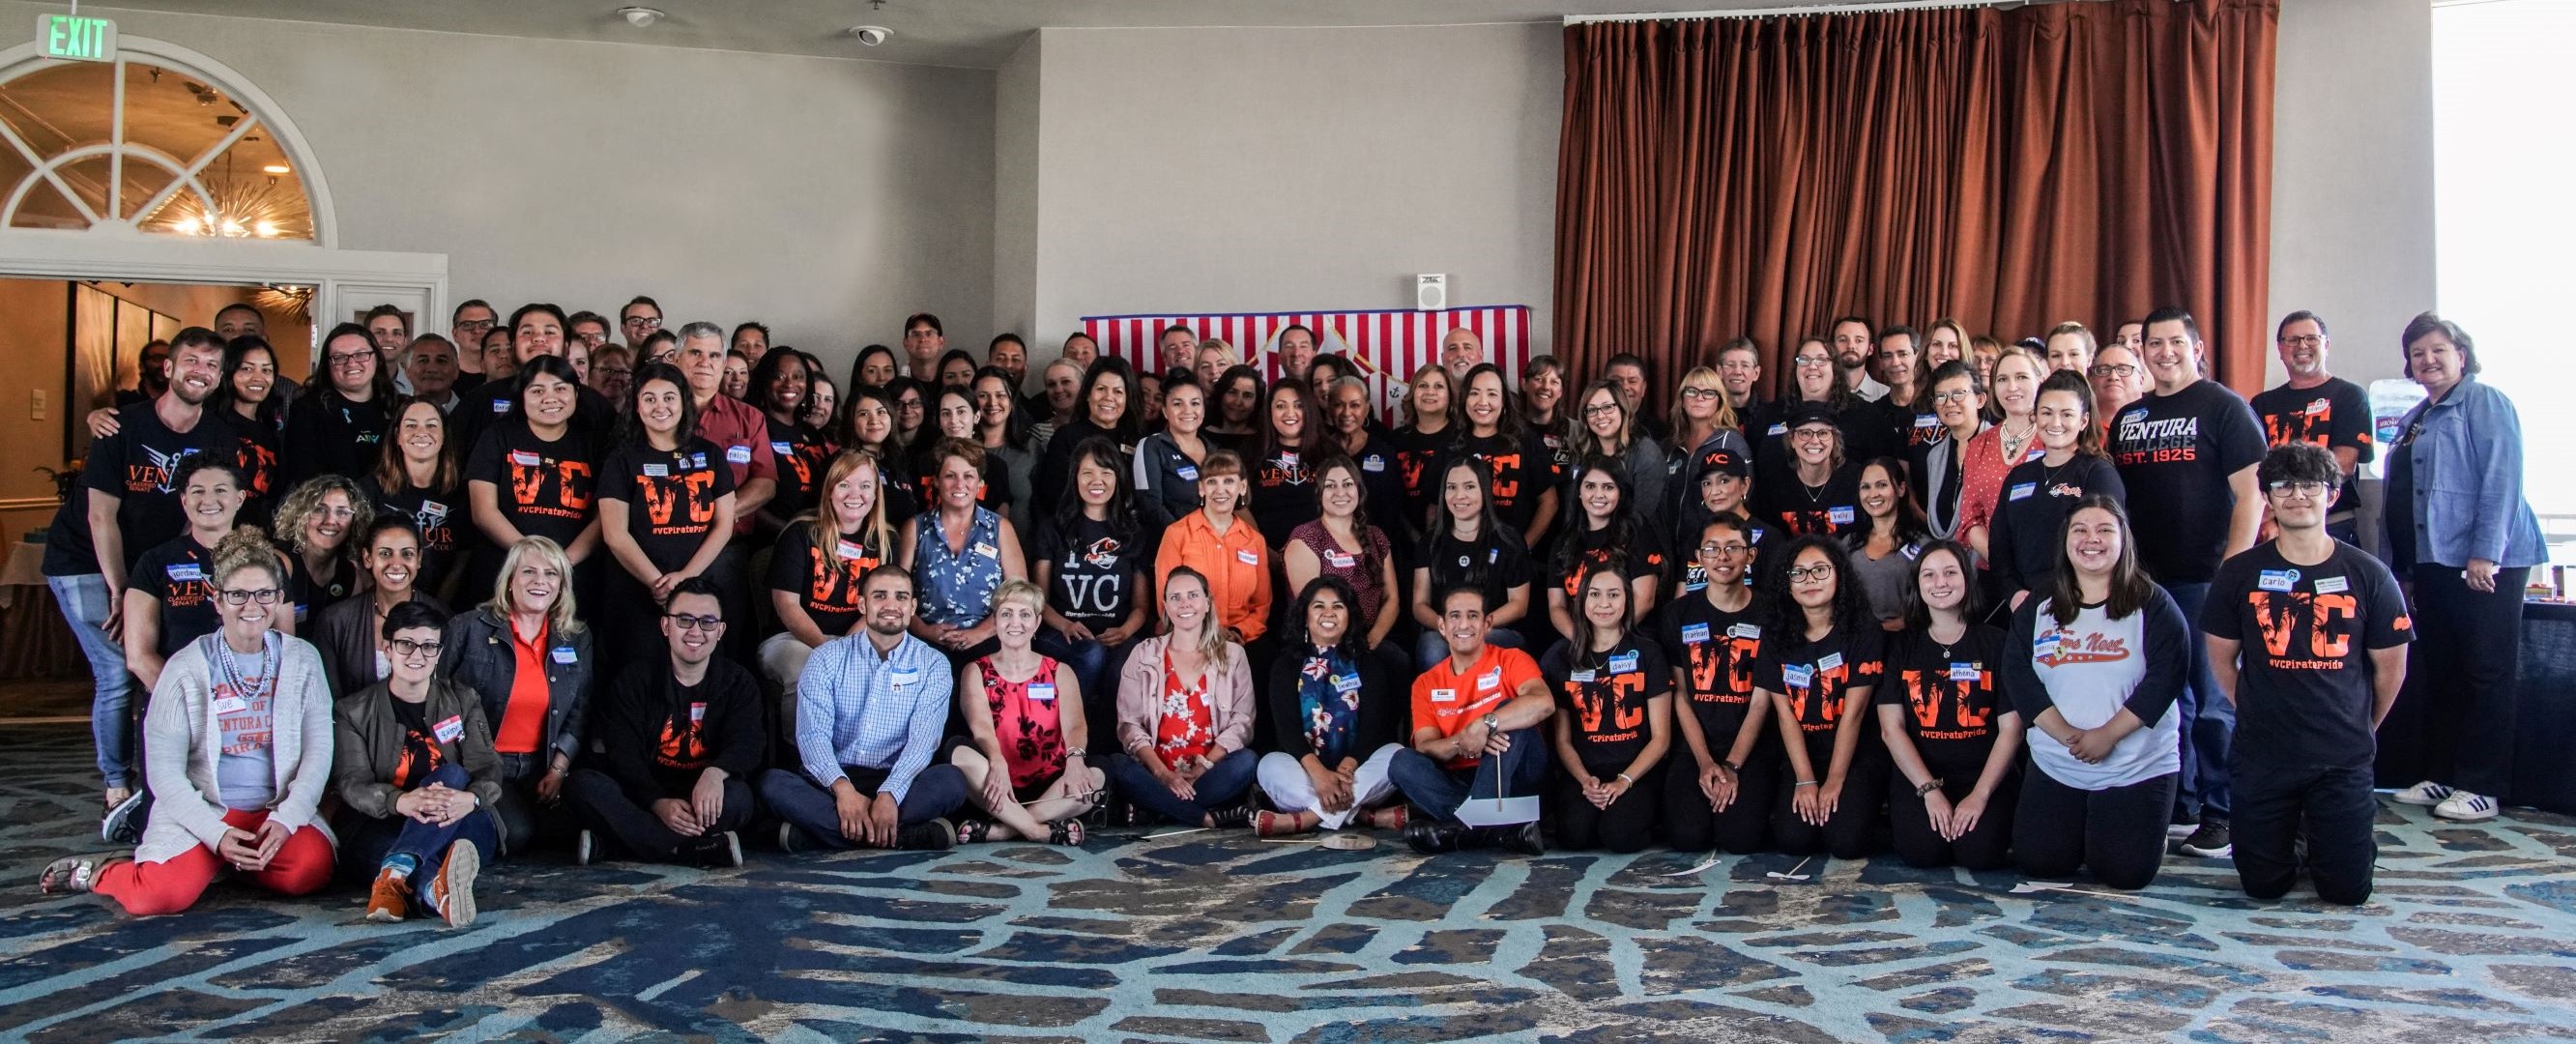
[
  {"x": 1625, "y": 359},
  {"x": 2302, "y": 314},
  {"x": 587, "y": 316},
  {"x": 1484, "y": 599},
  {"x": 1182, "y": 327},
  {"x": 383, "y": 310},
  {"x": 956, "y": 449},
  {"x": 1741, "y": 344},
  {"x": 753, "y": 325},
  {"x": 1912, "y": 337},
  {"x": 1310, "y": 334},
  {"x": 2090, "y": 346},
  {"x": 698, "y": 585},
  {"x": 208, "y": 460},
  {"x": 534, "y": 307},
  {"x": 924, "y": 319},
  {"x": 702, "y": 328},
  {"x": 1001, "y": 339},
  {"x": 1022, "y": 592},
  {"x": 2418, "y": 328},
  {"x": 887, "y": 570},
  {"x": 426, "y": 340},
  {"x": 640, "y": 299},
  {"x": 2300, "y": 462},
  {"x": 452, "y": 317},
  {"x": 2171, "y": 314},
  {"x": 245, "y": 306},
  {"x": 657, "y": 337},
  {"x": 1868, "y": 328},
  {"x": 201, "y": 337},
  {"x": 415, "y": 614},
  {"x": 1221, "y": 462}
]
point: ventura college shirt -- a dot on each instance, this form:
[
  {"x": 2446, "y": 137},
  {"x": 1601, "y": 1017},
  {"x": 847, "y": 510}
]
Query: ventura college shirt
[
  {"x": 2176, "y": 452},
  {"x": 179, "y": 574},
  {"x": 1095, "y": 572},
  {"x": 139, "y": 465},
  {"x": 546, "y": 487},
  {"x": 1948, "y": 693},
  {"x": 1717, "y": 649},
  {"x": 670, "y": 495},
  {"x": 2334, "y": 415},
  {"x": 824, "y": 576},
  {"x": 1607, "y": 696},
  {"x": 1818, "y": 675},
  {"x": 2303, "y": 689}
]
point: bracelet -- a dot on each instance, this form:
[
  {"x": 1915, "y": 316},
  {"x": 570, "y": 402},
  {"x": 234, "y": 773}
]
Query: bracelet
[
  {"x": 1731, "y": 768},
  {"x": 1928, "y": 787},
  {"x": 1806, "y": 783},
  {"x": 1625, "y": 778},
  {"x": 1076, "y": 752}
]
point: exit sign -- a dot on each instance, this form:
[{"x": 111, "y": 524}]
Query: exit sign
[{"x": 78, "y": 39}]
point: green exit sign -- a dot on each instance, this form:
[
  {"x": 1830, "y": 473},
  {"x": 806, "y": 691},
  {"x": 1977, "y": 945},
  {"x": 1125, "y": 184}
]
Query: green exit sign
[{"x": 78, "y": 39}]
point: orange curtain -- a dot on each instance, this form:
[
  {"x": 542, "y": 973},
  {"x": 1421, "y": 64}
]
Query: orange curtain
[{"x": 2013, "y": 169}]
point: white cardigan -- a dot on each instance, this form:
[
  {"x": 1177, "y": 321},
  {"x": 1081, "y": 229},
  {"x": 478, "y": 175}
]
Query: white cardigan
[{"x": 180, "y": 747}]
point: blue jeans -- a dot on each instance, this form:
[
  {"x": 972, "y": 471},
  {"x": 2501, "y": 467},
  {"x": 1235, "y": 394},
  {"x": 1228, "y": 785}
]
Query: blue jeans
[
  {"x": 1439, "y": 791},
  {"x": 370, "y": 842},
  {"x": 2208, "y": 721},
  {"x": 86, "y": 601},
  {"x": 937, "y": 791},
  {"x": 1222, "y": 784},
  {"x": 1431, "y": 647}
]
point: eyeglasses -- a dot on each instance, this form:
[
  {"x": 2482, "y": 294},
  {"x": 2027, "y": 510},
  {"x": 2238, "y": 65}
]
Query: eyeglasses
[
  {"x": 1729, "y": 550},
  {"x": 477, "y": 324},
  {"x": 2308, "y": 341},
  {"x": 1699, "y": 393},
  {"x": 1948, "y": 397},
  {"x": 1818, "y": 571},
  {"x": 687, "y": 622},
  {"x": 245, "y": 596},
  {"x": 1601, "y": 409},
  {"x": 2123, "y": 371},
  {"x": 646, "y": 321},
  {"x": 1815, "y": 360},
  {"x": 406, "y": 647},
  {"x": 2310, "y": 490},
  {"x": 352, "y": 358},
  {"x": 1812, "y": 434}
]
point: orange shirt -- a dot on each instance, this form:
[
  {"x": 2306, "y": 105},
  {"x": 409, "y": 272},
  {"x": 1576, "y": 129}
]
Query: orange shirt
[
  {"x": 1236, "y": 564},
  {"x": 523, "y": 720},
  {"x": 1448, "y": 699}
]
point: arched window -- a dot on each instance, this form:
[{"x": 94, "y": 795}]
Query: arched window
[{"x": 160, "y": 141}]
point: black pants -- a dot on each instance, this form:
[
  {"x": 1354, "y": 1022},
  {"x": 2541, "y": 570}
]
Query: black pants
[
  {"x": 601, "y": 805},
  {"x": 1744, "y": 826},
  {"x": 1628, "y": 825},
  {"x": 2331, "y": 806},
  {"x": 1852, "y": 830},
  {"x": 2118, "y": 832},
  {"x": 1986, "y": 846},
  {"x": 2461, "y": 676}
]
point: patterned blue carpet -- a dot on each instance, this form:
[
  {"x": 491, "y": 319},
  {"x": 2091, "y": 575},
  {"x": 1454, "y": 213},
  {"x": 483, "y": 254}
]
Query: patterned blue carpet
[{"x": 2472, "y": 934}]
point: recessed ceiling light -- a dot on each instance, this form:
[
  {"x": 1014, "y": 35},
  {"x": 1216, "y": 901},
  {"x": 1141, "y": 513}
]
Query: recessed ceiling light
[{"x": 640, "y": 17}]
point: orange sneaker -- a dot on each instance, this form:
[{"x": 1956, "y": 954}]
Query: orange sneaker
[
  {"x": 451, "y": 893},
  {"x": 390, "y": 900}
]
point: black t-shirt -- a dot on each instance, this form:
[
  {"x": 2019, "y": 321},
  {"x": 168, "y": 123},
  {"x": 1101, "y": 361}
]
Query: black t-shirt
[
  {"x": 1522, "y": 470},
  {"x": 2334, "y": 415},
  {"x": 327, "y": 434},
  {"x": 2176, "y": 452},
  {"x": 1497, "y": 564},
  {"x": 1639, "y": 547},
  {"x": 139, "y": 465},
  {"x": 824, "y": 577},
  {"x": 1718, "y": 650},
  {"x": 2303, "y": 684},
  {"x": 546, "y": 488},
  {"x": 491, "y": 404},
  {"x": 2024, "y": 542},
  {"x": 1097, "y": 573},
  {"x": 1283, "y": 492},
  {"x": 180, "y": 574},
  {"x": 1948, "y": 693},
  {"x": 263, "y": 473},
  {"x": 1922, "y": 428},
  {"x": 670, "y": 496},
  {"x": 802, "y": 458},
  {"x": 311, "y": 594},
  {"x": 1606, "y": 695},
  {"x": 1817, "y": 675},
  {"x": 1417, "y": 465},
  {"x": 441, "y": 516},
  {"x": 1560, "y": 449},
  {"x": 421, "y": 754},
  {"x": 1686, "y": 537},
  {"x": 1382, "y": 490},
  {"x": 1797, "y": 509}
]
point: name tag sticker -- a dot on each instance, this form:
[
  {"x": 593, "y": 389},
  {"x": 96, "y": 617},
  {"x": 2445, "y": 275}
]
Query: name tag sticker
[
  {"x": 451, "y": 730},
  {"x": 433, "y": 507},
  {"x": 851, "y": 551},
  {"x": 657, "y": 471},
  {"x": 1339, "y": 560},
  {"x": 2043, "y": 647},
  {"x": 1926, "y": 420},
  {"x": 1624, "y": 663},
  {"x": 1841, "y": 516},
  {"x": 1695, "y": 634},
  {"x": 1492, "y": 679},
  {"x": 1911, "y": 551},
  {"x": 1444, "y": 695},
  {"x": 782, "y": 447},
  {"x": 2277, "y": 579},
  {"x": 500, "y": 406},
  {"x": 1346, "y": 684},
  {"x": 186, "y": 572},
  {"x": 905, "y": 677},
  {"x": 1831, "y": 661},
  {"x": 1777, "y": 429},
  {"x": 2134, "y": 416},
  {"x": 1042, "y": 692},
  {"x": 738, "y": 455},
  {"x": 699, "y": 460},
  {"x": 564, "y": 654},
  {"x": 2333, "y": 585},
  {"x": 1247, "y": 558},
  {"x": 1746, "y": 631},
  {"x": 1373, "y": 462},
  {"x": 2023, "y": 490},
  {"x": 231, "y": 705},
  {"x": 1797, "y": 675},
  {"x": 1187, "y": 472},
  {"x": 2320, "y": 407},
  {"x": 523, "y": 458},
  {"x": 1580, "y": 677},
  {"x": 697, "y": 712},
  {"x": 1494, "y": 556},
  {"x": 987, "y": 550},
  {"x": 1964, "y": 672}
]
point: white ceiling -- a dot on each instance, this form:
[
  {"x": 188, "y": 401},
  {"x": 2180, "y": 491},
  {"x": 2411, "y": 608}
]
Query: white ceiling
[{"x": 972, "y": 33}]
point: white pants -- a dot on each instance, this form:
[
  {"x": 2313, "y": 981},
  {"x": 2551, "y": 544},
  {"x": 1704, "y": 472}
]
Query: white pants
[{"x": 1284, "y": 779}]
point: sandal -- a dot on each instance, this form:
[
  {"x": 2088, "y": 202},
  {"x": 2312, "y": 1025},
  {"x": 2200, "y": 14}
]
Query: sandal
[
  {"x": 1392, "y": 817},
  {"x": 973, "y": 831},
  {"x": 1065, "y": 832},
  {"x": 70, "y": 874}
]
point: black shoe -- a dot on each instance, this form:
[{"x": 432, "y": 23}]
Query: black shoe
[
  {"x": 1432, "y": 837},
  {"x": 1523, "y": 839},
  {"x": 1231, "y": 817},
  {"x": 934, "y": 836},
  {"x": 718, "y": 852},
  {"x": 792, "y": 840},
  {"x": 2210, "y": 841},
  {"x": 583, "y": 850},
  {"x": 124, "y": 823}
]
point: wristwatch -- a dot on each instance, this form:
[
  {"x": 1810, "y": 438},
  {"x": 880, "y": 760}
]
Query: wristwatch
[
  {"x": 1731, "y": 768},
  {"x": 1928, "y": 787},
  {"x": 1494, "y": 722}
]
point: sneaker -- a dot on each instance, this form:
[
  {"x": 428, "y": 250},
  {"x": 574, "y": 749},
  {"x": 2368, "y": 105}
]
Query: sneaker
[
  {"x": 1523, "y": 839},
  {"x": 934, "y": 836},
  {"x": 1432, "y": 837},
  {"x": 2465, "y": 807},
  {"x": 2424, "y": 793},
  {"x": 451, "y": 893},
  {"x": 2183, "y": 823},
  {"x": 2210, "y": 841},
  {"x": 123, "y": 824},
  {"x": 389, "y": 900},
  {"x": 583, "y": 850},
  {"x": 718, "y": 852},
  {"x": 788, "y": 842}
]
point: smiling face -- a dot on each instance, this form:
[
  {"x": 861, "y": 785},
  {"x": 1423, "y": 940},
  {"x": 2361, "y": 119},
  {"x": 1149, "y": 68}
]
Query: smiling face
[
  {"x": 1063, "y": 383},
  {"x": 1350, "y": 412},
  {"x": 1542, "y": 390},
  {"x": 548, "y": 400},
  {"x": 1185, "y": 603},
  {"x": 244, "y": 321},
  {"x": 2061, "y": 419},
  {"x": 993, "y": 401},
  {"x": 1724, "y": 554},
  {"x": 1896, "y": 356},
  {"x": 1464, "y": 624},
  {"x": 211, "y": 500},
  {"x": 1721, "y": 492},
  {"x": 2016, "y": 384},
  {"x": 1010, "y": 357},
  {"x": 352, "y": 362},
  {"x": 1605, "y": 602},
  {"x": 1462, "y": 491},
  {"x": 889, "y": 603},
  {"x": 1812, "y": 579},
  {"x": 1956, "y": 402},
  {"x": 328, "y": 525},
  {"x": 686, "y": 627},
  {"x": 658, "y": 405},
  {"x": 1737, "y": 371},
  {"x": 1602, "y": 415},
  {"x": 432, "y": 369},
  {"x": 1328, "y": 618},
  {"x": 1296, "y": 352},
  {"x": 1288, "y": 415},
  {"x": 257, "y": 375},
  {"x": 1430, "y": 395},
  {"x": 1941, "y": 580},
  {"x": 393, "y": 561},
  {"x": 1184, "y": 409},
  {"x": 413, "y": 667},
  {"x": 2172, "y": 355},
  {"x": 1015, "y": 622},
  {"x": 1338, "y": 491},
  {"x": 1879, "y": 491},
  {"x": 538, "y": 333},
  {"x": 1081, "y": 350},
  {"x": 1941, "y": 346},
  {"x": 787, "y": 384},
  {"x": 1211, "y": 365},
  {"x": 959, "y": 483},
  {"x": 870, "y": 420},
  {"x": 639, "y": 320},
  {"x": 247, "y": 600},
  {"x": 2435, "y": 362},
  {"x": 1814, "y": 442},
  {"x": 1221, "y": 493},
  {"x": 534, "y": 585},
  {"x": 1485, "y": 402},
  {"x": 1095, "y": 484},
  {"x": 1599, "y": 495},
  {"x": 2066, "y": 352},
  {"x": 1108, "y": 401},
  {"x": 820, "y": 404},
  {"x": 2303, "y": 348},
  {"x": 1814, "y": 363},
  {"x": 854, "y": 496},
  {"x": 2093, "y": 541},
  {"x": 388, "y": 333},
  {"x": 957, "y": 414},
  {"x": 737, "y": 378},
  {"x": 1178, "y": 347},
  {"x": 1460, "y": 351},
  {"x": 421, "y": 432}
]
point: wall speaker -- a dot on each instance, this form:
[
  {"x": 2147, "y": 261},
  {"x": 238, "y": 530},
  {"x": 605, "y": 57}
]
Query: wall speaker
[{"x": 1431, "y": 292}]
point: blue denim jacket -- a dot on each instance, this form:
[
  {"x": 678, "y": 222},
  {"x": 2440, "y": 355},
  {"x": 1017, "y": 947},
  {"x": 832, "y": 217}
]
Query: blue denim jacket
[{"x": 2468, "y": 481}]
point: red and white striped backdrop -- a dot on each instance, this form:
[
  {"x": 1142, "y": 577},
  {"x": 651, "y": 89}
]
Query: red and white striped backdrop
[{"x": 1388, "y": 344}]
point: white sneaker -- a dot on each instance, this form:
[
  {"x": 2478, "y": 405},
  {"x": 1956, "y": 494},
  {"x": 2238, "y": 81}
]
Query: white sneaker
[
  {"x": 2466, "y": 807},
  {"x": 2424, "y": 793}
]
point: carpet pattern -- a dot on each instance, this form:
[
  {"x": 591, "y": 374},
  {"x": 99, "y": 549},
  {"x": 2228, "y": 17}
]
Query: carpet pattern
[{"x": 1218, "y": 936}]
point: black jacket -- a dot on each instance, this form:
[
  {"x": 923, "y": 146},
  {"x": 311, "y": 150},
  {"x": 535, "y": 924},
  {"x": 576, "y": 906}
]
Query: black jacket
[
  {"x": 479, "y": 656},
  {"x": 1383, "y": 706},
  {"x": 649, "y": 740}
]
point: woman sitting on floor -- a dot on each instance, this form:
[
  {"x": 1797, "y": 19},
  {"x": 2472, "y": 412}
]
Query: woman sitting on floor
[
  {"x": 1335, "y": 719},
  {"x": 1024, "y": 759},
  {"x": 1185, "y": 714},
  {"x": 417, "y": 780}
]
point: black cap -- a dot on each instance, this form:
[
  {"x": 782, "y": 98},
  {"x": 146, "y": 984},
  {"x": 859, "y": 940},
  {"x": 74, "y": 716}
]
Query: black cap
[
  {"x": 1722, "y": 461},
  {"x": 1808, "y": 412}
]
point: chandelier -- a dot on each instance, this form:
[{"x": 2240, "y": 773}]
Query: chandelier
[{"x": 238, "y": 208}]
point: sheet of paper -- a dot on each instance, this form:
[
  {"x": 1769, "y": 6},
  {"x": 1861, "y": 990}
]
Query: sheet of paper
[{"x": 1489, "y": 812}]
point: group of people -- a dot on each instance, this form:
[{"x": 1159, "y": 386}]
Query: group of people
[{"x": 1900, "y": 605}]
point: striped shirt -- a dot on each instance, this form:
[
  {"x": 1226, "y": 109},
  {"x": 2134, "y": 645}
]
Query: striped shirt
[{"x": 854, "y": 707}]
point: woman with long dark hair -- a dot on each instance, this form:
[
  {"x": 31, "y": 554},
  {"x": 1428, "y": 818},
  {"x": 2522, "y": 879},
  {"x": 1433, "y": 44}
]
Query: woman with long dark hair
[
  {"x": 1523, "y": 471},
  {"x": 1107, "y": 408},
  {"x": 1884, "y": 545},
  {"x": 1010, "y": 465},
  {"x": 1341, "y": 543},
  {"x": 1722, "y": 795},
  {"x": 2038, "y": 494},
  {"x": 249, "y": 398},
  {"x": 350, "y": 635},
  {"x": 1168, "y": 461},
  {"x": 418, "y": 478},
  {"x": 1604, "y": 428},
  {"x": 1091, "y": 557},
  {"x": 666, "y": 510},
  {"x": 2094, "y": 664},
  {"x": 1431, "y": 423},
  {"x": 869, "y": 423},
  {"x": 1614, "y": 720},
  {"x": 1468, "y": 546},
  {"x": 1820, "y": 662},
  {"x": 875, "y": 367},
  {"x": 534, "y": 473},
  {"x": 1607, "y": 532},
  {"x": 1234, "y": 407},
  {"x": 1954, "y": 741},
  {"x": 1334, "y": 718},
  {"x": 335, "y": 428},
  {"x": 1292, "y": 441}
]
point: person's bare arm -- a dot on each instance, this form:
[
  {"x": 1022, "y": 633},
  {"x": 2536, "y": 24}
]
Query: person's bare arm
[
  {"x": 142, "y": 636},
  {"x": 2222, "y": 664},
  {"x": 2247, "y": 519},
  {"x": 2387, "y": 676},
  {"x": 614, "y": 515}
]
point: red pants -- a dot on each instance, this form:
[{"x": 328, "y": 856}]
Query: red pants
[{"x": 302, "y": 866}]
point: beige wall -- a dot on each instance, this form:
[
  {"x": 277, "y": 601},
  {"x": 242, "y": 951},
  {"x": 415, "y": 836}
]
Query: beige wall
[
  {"x": 2352, "y": 174},
  {"x": 1250, "y": 169},
  {"x": 828, "y": 197},
  {"x": 34, "y": 333},
  {"x": 1015, "y": 194}
]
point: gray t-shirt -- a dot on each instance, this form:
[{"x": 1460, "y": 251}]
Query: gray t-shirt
[
  {"x": 244, "y": 698},
  {"x": 2090, "y": 669},
  {"x": 1882, "y": 580}
]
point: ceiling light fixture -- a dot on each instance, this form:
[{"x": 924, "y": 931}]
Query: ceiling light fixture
[
  {"x": 640, "y": 17},
  {"x": 275, "y": 168},
  {"x": 871, "y": 35}
]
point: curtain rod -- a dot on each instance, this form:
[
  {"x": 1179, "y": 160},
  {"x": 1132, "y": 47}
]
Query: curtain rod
[{"x": 1857, "y": 6}]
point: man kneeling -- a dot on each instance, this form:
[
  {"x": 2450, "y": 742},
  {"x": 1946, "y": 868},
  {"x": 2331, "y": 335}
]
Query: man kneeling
[
  {"x": 870, "y": 708},
  {"x": 1481, "y": 701},
  {"x": 678, "y": 739}
]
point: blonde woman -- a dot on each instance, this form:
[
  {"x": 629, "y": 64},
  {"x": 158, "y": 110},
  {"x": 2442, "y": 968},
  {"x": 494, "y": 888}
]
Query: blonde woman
[
  {"x": 815, "y": 570},
  {"x": 314, "y": 526},
  {"x": 1185, "y": 713},
  {"x": 1704, "y": 424},
  {"x": 1024, "y": 756},
  {"x": 529, "y": 656},
  {"x": 2010, "y": 443}
]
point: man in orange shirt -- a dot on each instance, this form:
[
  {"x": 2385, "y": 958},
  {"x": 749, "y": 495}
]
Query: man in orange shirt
[{"x": 1481, "y": 701}]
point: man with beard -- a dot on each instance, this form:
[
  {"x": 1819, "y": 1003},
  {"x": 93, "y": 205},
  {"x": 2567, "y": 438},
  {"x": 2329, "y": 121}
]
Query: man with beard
[
  {"x": 870, "y": 710},
  {"x": 2316, "y": 407},
  {"x": 1853, "y": 340}
]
